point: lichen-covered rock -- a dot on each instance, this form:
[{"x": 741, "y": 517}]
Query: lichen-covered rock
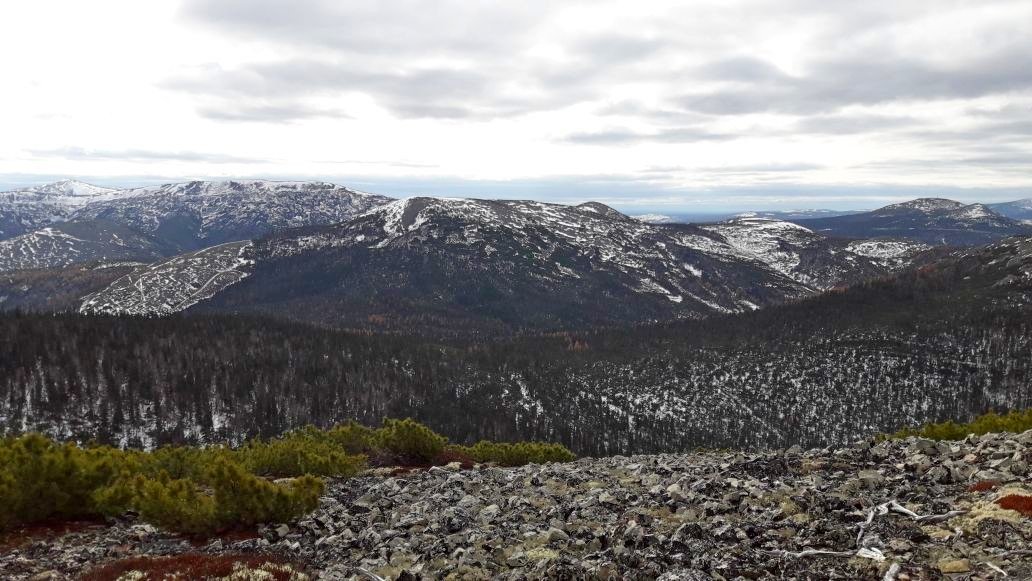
[{"x": 892, "y": 510}]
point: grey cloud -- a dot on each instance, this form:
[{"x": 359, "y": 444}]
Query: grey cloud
[
  {"x": 850, "y": 123},
  {"x": 375, "y": 28},
  {"x": 414, "y": 93},
  {"x": 280, "y": 112},
  {"x": 141, "y": 155},
  {"x": 626, "y": 136},
  {"x": 874, "y": 78}
]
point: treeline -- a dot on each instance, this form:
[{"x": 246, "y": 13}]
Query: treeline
[{"x": 951, "y": 340}]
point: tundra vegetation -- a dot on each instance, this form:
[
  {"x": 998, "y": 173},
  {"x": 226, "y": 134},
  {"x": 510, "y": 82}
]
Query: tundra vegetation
[{"x": 206, "y": 490}]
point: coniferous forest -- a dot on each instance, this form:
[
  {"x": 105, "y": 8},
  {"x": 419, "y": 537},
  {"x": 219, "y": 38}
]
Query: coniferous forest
[{"x": 950, "y": 340}]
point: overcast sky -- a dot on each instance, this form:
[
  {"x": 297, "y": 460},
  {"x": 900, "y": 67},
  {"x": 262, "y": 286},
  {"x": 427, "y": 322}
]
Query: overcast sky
[{"x": 676, "y": 106}]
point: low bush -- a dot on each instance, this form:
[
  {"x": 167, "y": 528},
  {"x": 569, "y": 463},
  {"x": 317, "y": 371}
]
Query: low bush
[
  {"x": 188, "y": 490},
  {"x": 519, "y": 453},
  {"x": 1014, "y": 421},
  {"x": 409, "y": 440},
  {"x": 204, "y": 490},
  {"x": 305, "y": 451}
]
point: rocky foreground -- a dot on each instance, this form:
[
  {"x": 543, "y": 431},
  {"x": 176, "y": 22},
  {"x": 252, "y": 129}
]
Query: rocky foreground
[{"x": 909, "y": 509}]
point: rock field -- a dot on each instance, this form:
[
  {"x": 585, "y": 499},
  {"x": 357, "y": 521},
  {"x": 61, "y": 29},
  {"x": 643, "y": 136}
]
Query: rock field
[{"x": 907, "y": 509}]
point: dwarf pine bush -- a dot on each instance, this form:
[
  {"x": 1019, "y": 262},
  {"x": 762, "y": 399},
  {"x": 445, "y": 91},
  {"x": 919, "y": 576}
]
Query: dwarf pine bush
[
  {"x": 204, "y": 490},
  {"x": 410, "y": 440},
  {"x": 519, "y": 453},
  {"x": 1014, "y": 421}
]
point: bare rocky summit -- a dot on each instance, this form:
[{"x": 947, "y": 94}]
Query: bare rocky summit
[{"x": 904, "y": 509}]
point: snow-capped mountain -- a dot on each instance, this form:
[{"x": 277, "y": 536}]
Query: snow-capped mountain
[
  {"x": 502, "y": 265},
  {"x": 810, "y": 258},
  {"x": 198, "y": 214},
  {"x": 161, "y": 221},
  {"x": 930, "y": 220},
  {"x": 28, "y": 209}
]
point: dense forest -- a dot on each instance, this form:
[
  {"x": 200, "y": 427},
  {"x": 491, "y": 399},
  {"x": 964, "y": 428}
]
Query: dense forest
[{"x": 950, "y": 340}]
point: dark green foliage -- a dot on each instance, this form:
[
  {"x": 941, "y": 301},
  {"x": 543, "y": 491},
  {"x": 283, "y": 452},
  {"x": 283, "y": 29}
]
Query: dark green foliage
[
  {"x": 409, "y": 440},
  {"x": 1014, "y": 421},
  {"x": 304, "y": 451},
  {"x": 205, "y": 490},
  {"x": 519, "y": 453},
  {"x": 189, "y": 490}
]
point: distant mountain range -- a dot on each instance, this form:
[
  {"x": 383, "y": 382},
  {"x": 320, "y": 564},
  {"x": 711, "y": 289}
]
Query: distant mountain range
[
  {"x": 72, "y": 223},
  {"x": 929, "y": 220},
  {"x": 324, "y": 253}
]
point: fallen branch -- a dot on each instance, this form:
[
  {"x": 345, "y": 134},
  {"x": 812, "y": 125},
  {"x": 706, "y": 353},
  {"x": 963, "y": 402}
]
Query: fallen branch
[{"x": 893, "y": 506}]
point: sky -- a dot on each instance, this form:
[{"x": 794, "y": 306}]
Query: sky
[{"x": 658, "y": 106}]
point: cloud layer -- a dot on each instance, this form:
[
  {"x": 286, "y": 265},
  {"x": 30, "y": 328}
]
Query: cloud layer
[{"x": 728, "y": 95}]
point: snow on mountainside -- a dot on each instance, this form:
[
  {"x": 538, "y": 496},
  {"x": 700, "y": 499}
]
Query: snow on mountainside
[
  {"x": 203, "y": 213},
  {"x": 654, "y": 218},
  {"x": 892, "y": 254},
  {"x": 795, "y": 251},
  {"x": 28, "y": 209},
  {"x": 934, "y": 221},
  {"x": 926, "y": 205},
  {"x": 163, "y": 220},
  {"x": 511, "y": 262},
  {"x": 69, "y": 243},
  {"x": 172, "y": 285}
]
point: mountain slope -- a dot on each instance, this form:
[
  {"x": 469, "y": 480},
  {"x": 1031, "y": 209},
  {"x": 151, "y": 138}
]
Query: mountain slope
[
  {"x": 929, "y": 220},
  {"x": 1017, "y": 210},
  {"x": 75, "y": 242},
  {"x": 810, "y": 258},
  {"x": 83, "y": 223},
  {"x": 172, "y": 285},
  {"x": 946, "y": 341},
  {"x": 199, "y": 214},
  {"x": 25, "y": 210},
  {"x": 500, "y": 265}
]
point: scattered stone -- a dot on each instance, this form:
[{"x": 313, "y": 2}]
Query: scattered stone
[{"x": 860, "y": 512}]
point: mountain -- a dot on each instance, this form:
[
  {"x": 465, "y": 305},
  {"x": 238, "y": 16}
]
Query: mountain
[
  {"x": 25, "y": 210},
  {"x": 57, "y": 289},
  {"x": 458, "y": 265},
  {"x": 497, "y": 266},
  {"x": 89, "y": 224},
  {"x": 796, "y": 214},
  {"x": 1017, "y": 210},
  {"x": 948, "y": 340},
  {"x": 930, "y": 220},
  {"x": 655, "y": 218},
  {"x": 79, "y": 242},
  {"x": 174, "y": 284},
  {"x": 197, "y": 214},
  {"x": 813, "y": 259}
]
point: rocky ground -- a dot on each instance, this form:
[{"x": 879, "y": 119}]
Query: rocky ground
[{"x": 910, "y": 509}]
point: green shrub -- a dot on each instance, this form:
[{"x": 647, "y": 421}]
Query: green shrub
[
  {"x": 353, "y": 437},
  {"x": 242, "y": 498},
  {"x": 409, "y": 440},
  {"x": 174, "y": 504},
  {"x": 305, "y": 451},
  {"x": 42, "y": 479},
  {"x": 519, "y": 453},
  {"x": 1015, "y": 421}
]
